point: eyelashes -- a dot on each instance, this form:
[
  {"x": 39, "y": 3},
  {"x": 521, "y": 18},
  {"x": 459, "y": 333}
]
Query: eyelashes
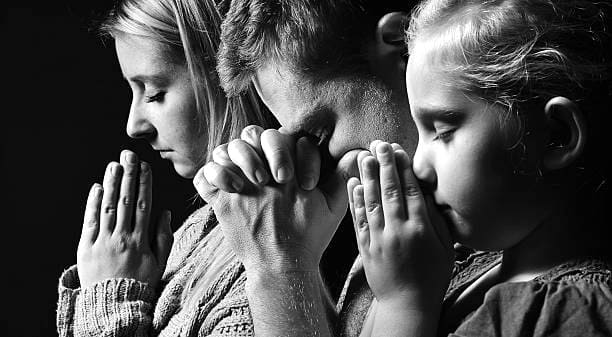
[
  {"x": 444, "y": 136},
  {"x": 158, "y": 97}
]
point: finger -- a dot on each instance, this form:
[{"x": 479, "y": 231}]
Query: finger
[
  {"x": 110, "y": 186},
  {"x": 127, "y": 191},
  {"x": 308, "y": 161},
  {"x": 206, "y": 191},
  {"x": 362, "y": 227},
  {"x": 252, "y": 135},
  {"x": 396, "y": 147},
  {"x": 144, "y": 204},
  {"x": 390, "y": 186},
  {"x": 163, "y": 239},
  {"x": 371, "y": 195},
  {"x": 222, "y": 178},
  {"x": 91, "y": 219},
  {"x": 350, "y": 186},
  {"x": 221, "y": 156},
  {"x": 373, "y": 146},
  {"x": 413, "y": 197},
  {"x": 360, "y": 157},
  {"x": 278, "y": 149},
  {"x": 248, "y": 161}
]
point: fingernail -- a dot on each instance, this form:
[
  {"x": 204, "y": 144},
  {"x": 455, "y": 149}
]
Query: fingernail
[
  {"x": 144, "y": 167},
  {"x": 115, "y": 170},
  {"x": 283, "y": 174},
  {"x": 383, "y": 148},
  {"x": 130, "y": 158},
  {"x": 308, "y": 183},
  {"x": 261, "y": 176},
  {"x": 95, "y": 190}
]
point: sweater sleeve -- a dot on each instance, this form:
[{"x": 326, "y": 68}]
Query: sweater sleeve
[
  {"x": 112, "y": 307},
  {"x": 542, "y": 309}
]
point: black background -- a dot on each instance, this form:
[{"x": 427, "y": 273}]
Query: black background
[{"x": 63, "y": 110}]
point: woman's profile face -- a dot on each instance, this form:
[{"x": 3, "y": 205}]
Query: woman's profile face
[{"x": 163, "y": 109}]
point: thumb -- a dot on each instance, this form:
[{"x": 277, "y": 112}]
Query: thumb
[
  {"x": 334, "y": 191},
  {"x": 163, "y": 239}
]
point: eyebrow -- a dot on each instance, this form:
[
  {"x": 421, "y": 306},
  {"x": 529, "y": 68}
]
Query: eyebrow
[
  {"x": 439, "y": 113},
  {"x": 158, "y": 79}
]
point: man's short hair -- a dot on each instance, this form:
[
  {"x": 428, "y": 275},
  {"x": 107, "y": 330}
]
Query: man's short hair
[{"x": 317, "y": 39}]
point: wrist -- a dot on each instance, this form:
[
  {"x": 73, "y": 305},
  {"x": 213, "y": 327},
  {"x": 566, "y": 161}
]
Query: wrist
[
  {"x": 281, "y": 263},
  {"x": 415, "y": 300}
]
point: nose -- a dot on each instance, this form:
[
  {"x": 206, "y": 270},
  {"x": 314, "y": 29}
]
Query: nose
[
  {"x": 138, "y": 124},
  {"x": 422, "y": 165}
]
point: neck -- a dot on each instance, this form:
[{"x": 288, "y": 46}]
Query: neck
[{"x": 553, "y": 242}]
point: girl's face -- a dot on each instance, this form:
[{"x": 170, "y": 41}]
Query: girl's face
[
  {"x": 463, "y": 158},
  {"x": 163, "y": 110}
]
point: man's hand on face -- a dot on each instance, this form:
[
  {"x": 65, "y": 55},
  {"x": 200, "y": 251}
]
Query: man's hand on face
[{"x": 263, "y": 188}]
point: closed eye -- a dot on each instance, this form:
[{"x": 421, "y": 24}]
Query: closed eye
[
  {"x": 158, "y": 97},
  {"x": 444, "y": 135}
]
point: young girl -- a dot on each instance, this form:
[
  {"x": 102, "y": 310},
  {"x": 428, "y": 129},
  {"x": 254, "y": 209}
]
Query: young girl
[
  {"x": 129, "y": 279},
  {"x": 510, "y": 100}
]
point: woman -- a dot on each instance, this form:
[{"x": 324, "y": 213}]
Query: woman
[{"x": 127, "y": 281}]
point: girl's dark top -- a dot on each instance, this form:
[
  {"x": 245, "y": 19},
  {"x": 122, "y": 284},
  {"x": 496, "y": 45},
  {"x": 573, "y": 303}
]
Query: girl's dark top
[{"x": 572, "y": 299}]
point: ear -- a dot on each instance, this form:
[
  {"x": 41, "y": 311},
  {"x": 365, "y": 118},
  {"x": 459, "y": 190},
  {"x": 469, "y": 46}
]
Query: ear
[
  {"x": 567, "y": 133},
  {"x": 388, "y": 51},
  {"x": 390, "y": 31}
]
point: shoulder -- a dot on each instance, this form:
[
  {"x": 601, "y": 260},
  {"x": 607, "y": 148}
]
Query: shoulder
[{"x": 571, "y": 299}]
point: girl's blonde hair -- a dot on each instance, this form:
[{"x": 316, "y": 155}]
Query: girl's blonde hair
[
  {"x": 518, "y": 54},
  {"x": 191, "y": 30}
]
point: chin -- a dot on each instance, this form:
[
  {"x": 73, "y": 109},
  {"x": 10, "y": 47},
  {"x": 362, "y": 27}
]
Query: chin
[{"x": 185, "y": 171}]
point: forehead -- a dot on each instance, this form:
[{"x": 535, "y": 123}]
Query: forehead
[
  {"x": 287, "y": 94},
  {"x": 429, "y": 86},
  {"x": 139, "y": 55}
]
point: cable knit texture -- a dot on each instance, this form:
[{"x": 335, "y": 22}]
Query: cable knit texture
[{"x": 126, "y": 307}]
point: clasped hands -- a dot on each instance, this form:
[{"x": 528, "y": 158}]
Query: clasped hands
[{"x": 265, "y": 191}]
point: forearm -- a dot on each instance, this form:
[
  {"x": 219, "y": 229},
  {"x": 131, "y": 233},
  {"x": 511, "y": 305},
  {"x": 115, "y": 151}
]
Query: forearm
[{"x": 291, "y": 304}]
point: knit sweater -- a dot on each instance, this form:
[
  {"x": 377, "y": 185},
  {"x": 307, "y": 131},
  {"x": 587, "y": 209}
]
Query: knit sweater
[{"x": 126, "y": 307}]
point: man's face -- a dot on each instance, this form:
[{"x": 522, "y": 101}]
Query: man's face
[{"x": 344, "y": 114}]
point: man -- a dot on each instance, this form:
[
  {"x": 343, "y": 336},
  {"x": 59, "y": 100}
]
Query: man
[{"x": 332, "y": 71}]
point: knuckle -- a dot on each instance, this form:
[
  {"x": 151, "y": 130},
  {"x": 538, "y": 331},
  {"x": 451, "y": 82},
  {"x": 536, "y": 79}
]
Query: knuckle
[
  {"x": 391, "y": 193},
  {"x": 130, "y": 171},
  {"x": 251, "y": 131},
  {"x": 91, "y": 223},
  {"x": 372, "y": 207},
  {"x": 221, "y": 152},
  {"x": 109, "y": 209},
  {"x": 143, "y": 205},
  {"x": 235, "y": 144},
  {"x": 126, "y": 200},
  {"x": 411, "y": 190}
]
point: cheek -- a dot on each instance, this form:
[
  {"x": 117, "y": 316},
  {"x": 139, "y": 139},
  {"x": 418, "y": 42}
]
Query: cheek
[
  {"x": 474, "y": 175},
  {"x": 189, "y": 131}
]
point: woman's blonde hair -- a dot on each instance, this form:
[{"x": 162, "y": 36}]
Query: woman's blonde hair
[{"x": 191, "y": 30}]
